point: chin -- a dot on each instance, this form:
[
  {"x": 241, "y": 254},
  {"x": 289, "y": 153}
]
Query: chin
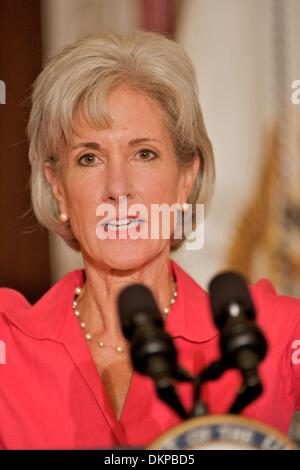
[{"x": 126, "y": 255}]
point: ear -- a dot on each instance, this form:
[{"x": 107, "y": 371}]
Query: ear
[
  {"x": 188, "y": 177},
  {"x": 57, "y": 187}
]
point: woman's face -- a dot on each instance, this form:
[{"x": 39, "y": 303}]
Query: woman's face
[{"x": 132, "y": 162}]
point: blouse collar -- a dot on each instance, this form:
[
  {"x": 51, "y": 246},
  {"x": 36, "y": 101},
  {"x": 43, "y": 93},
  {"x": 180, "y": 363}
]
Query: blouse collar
[{"x": 49, "y": 317}]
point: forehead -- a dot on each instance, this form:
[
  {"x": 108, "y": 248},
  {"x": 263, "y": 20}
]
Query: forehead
[
  {"x": 128, "y": 113},
  {"x": 124, "y": 99}
]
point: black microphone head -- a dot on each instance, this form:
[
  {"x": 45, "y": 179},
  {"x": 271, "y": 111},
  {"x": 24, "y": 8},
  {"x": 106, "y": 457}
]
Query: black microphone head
[
  {"x": 226, "y": 289},
  {"x": 136, "y": 306}
]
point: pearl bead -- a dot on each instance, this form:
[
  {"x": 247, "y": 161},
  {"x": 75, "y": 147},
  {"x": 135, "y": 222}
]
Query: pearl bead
[
  {"x": 88, "y": 336},
  {"x": 63, "y": 217}
]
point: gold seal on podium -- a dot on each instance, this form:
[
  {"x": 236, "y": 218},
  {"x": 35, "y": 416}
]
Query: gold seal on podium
[{"x": 223, "y": 432}]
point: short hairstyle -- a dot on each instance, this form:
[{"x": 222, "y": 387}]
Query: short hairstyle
[{"x": 81, "y": 76}]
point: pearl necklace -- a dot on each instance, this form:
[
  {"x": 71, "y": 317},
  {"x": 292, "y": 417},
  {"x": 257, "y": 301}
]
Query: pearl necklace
[{"x": 88, "y": 336}]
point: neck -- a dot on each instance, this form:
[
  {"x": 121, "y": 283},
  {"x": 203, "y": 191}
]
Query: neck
[{"x": 97, "y": 301}]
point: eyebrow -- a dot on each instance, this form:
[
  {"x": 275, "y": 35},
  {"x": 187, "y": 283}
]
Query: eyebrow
[{"x": 96, "y": 146}]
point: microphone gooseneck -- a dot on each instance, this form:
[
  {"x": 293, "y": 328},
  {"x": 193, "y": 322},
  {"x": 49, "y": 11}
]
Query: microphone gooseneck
[
  {"x": 151, "y": 347},
  {"x": 242, "y": 343}
]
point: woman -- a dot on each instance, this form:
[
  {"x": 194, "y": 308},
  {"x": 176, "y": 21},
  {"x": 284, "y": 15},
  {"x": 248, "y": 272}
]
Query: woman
[{"x": 115, "y": 122}]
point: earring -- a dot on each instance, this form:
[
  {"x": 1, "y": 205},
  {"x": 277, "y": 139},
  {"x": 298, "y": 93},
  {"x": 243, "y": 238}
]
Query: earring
[
  {"x": 63, "y": 217},
  {"x": 185, "y": 207}
]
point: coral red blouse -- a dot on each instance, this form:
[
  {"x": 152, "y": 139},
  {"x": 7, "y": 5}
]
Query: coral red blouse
[{"x": 52, "y": 397}]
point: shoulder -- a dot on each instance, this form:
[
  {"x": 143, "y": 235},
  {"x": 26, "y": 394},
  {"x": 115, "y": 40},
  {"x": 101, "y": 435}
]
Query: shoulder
[
  {"x": 277, "y": 314},
  {"x": 39, "y": 319},
  {"x": 12, "y": 298},
  {"x": 279, "y": 317},
  {"x": 12, "y": 301}
]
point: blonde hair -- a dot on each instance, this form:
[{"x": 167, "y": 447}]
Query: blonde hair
[{"x": 82, "y": 75}]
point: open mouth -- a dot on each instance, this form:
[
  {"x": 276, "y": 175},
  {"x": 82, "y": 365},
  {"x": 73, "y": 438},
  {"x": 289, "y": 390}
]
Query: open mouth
[{"x": 122, "y": 225}]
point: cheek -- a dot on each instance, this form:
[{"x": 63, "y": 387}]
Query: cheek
[
  {"x": 162, "y": 186},
  {"x": 83, "y": 196}
]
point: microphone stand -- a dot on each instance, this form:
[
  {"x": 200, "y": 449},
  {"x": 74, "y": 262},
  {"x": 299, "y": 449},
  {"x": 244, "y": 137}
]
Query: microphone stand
[
  {"x": 165, "y": 388},
  {"x": 169, "y": 396},
  {"x": 212, "y": 372},
  {"x": 250, "y": 389}
]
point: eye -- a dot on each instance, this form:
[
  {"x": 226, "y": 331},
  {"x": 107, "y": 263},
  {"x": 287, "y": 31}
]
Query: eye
[
  {"x": 146, "y": 154},
  {"x": 88, "y": 159}
]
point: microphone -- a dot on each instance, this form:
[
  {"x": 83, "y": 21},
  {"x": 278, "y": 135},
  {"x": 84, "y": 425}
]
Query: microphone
[
  {"x": 242, "y": 343},
  {"x": 152, "y": 350}
]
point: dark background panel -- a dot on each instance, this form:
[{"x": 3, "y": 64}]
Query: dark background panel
[{"x": 24, "y": 250}]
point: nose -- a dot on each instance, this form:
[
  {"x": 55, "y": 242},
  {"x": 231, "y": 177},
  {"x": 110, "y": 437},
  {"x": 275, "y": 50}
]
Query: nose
[{"x": 118, "y": 181}]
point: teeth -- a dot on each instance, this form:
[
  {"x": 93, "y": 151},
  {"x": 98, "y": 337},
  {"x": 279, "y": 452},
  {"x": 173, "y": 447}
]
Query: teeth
[
  {"x": 119, "y": 222},
  {"x": 123, "y": 226}
]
